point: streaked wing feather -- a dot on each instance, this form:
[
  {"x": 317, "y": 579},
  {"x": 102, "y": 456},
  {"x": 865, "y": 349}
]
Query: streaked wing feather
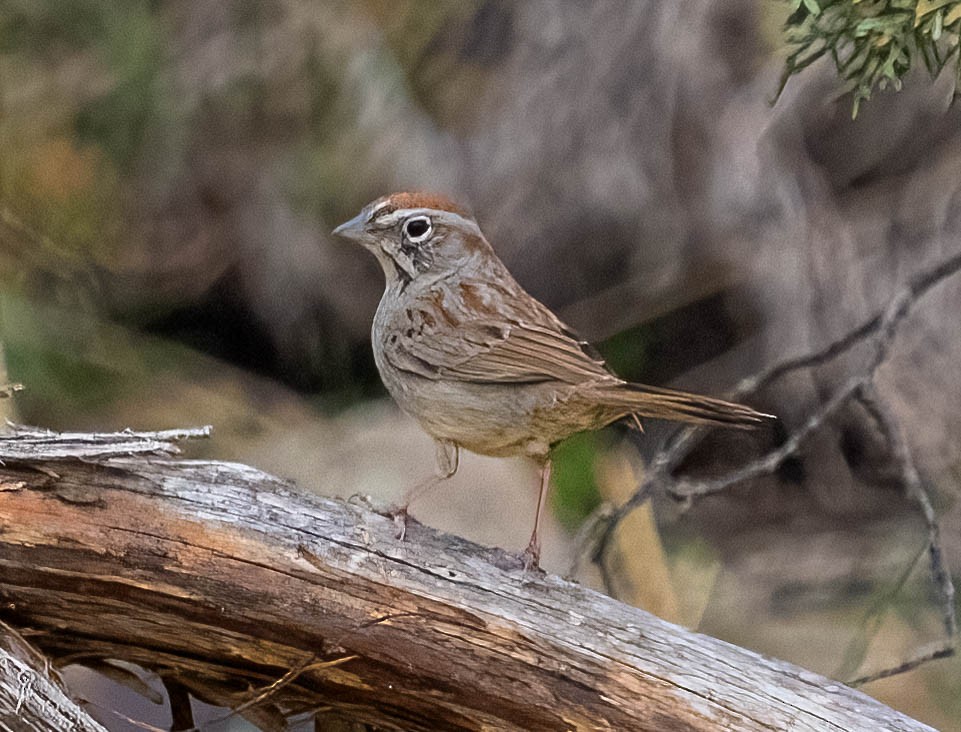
[
  {"x": 552, "y": 353},
  {"x": 524, "y": 355},
  {"x": 504, "y": 336},
  {"x": 523, "y": 342}
]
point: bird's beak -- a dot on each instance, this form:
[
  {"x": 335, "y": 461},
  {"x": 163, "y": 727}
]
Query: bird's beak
[{"x": 353, "y": 229}]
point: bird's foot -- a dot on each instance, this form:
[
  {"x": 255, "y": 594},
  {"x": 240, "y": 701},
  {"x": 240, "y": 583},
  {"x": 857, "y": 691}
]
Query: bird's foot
[
  {"x": 532, "y": 557},
  {"x": 400, "y": 517}
]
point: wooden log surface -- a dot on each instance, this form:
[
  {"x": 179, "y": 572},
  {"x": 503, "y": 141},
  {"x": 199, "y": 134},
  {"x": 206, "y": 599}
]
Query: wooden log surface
[
  {"x": 227, "y": 580},
  {"x": 30, "y": 701}
]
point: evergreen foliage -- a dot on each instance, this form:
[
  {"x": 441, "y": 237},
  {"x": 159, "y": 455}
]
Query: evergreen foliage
[{"x": 873, "y": 43}]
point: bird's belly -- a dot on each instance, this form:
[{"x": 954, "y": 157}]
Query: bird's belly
[{"x": 493, "y": 419}]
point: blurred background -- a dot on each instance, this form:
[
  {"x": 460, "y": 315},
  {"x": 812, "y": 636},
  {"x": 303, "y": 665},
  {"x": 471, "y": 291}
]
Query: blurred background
[{"x": 170, "y": 171}]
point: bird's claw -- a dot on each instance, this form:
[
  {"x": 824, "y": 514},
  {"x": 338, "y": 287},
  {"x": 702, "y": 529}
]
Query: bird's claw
[
  {"x": 400, "y": 521},
  {"x": 532, "y": 557}
]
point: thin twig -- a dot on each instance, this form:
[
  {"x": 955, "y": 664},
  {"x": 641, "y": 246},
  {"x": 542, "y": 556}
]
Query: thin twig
[
  {"x": 939, "y": 651},
  {"x": 871, "y": 622},
  {"x": 30, "y": 443},
  {"x": 914, "y": 289},
  {"x": 85, "y": 703},
  {"x": 880, "y": 330},
  {"x": 684, "y": 489},
  {"x": 915, "y": 488},
  {"x": 261, "y": 695},
  {"x": 882, "y": 327},
  {"x": 588, "y": 537}
]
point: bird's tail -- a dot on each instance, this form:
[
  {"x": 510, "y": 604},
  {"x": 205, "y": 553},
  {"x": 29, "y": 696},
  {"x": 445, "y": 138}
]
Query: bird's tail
[{"x": 679, "y": 406}]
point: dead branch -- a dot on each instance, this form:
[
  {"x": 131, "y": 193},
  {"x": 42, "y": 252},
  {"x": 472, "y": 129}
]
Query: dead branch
[
  {"x": 879, "y": 331},
  {"x": 911, "y": 480},
  {"x": 31, "y": 444},
  {"x": 29, "y": 699},
  {"x": 236, "y": 586}
]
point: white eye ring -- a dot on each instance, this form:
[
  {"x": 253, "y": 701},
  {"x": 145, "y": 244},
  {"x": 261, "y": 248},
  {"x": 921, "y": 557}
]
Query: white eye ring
[{"x": 418, "y": 229}]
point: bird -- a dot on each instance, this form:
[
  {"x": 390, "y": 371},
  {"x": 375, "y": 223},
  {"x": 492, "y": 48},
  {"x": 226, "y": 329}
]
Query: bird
[{"x": 479, "y": 362}]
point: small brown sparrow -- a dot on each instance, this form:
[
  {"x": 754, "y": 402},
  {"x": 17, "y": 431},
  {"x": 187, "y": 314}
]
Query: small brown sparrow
[{"x": 481, "y": 364}]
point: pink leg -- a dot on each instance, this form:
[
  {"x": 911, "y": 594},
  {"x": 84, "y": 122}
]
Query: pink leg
[
  {"x": 532, "y": 555},
  {"x": 448, "y": 458}
]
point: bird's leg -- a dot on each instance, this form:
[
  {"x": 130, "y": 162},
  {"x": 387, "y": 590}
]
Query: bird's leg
[
  {"x": 448, "y": 458},
  {"x": 532, "y": 555}
]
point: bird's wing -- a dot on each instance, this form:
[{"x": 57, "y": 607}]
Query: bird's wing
[{"x": 484, "y": 332}]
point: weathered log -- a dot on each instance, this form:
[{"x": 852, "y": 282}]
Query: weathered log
[
  {"x": 29, "y": 700},
  {"x": 227, "y": 580}
]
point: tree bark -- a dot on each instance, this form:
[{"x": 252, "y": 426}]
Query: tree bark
[
  {"x": 29, "y": 700},
  {"x": 252, "y": 594}
]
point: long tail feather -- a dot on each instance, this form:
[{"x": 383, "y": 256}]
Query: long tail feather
[{"x": 679, "y": 406}]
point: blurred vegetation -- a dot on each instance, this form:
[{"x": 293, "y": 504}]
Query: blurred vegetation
[
  {"x": 574, "y": 479},
  {"x": 873, "y": 43},
  {"x": 176, "y": 167}
]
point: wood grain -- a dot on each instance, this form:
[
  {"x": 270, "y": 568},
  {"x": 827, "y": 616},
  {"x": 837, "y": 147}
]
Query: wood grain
[
  {"x": 225, "y": 579},
  {"x": 30, "y": 701}
]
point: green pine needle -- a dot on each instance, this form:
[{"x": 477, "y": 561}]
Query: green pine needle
[{"x": 873, "y": 43}]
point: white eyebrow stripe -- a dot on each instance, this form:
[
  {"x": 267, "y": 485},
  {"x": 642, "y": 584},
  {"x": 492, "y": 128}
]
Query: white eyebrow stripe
[
  {"x": 436, "y": 215},
  {"x": 375, "y": 209}
]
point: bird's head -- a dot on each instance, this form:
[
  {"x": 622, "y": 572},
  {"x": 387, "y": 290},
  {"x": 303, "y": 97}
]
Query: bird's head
[{"x": 415, "y": 233}]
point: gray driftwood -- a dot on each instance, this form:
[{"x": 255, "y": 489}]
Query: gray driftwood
[
  {"x": 254, "y": 595},
  {"x": 30, "y": 701}
]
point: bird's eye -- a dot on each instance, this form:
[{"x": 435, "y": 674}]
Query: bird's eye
[{"x": 417, "y": 228}]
